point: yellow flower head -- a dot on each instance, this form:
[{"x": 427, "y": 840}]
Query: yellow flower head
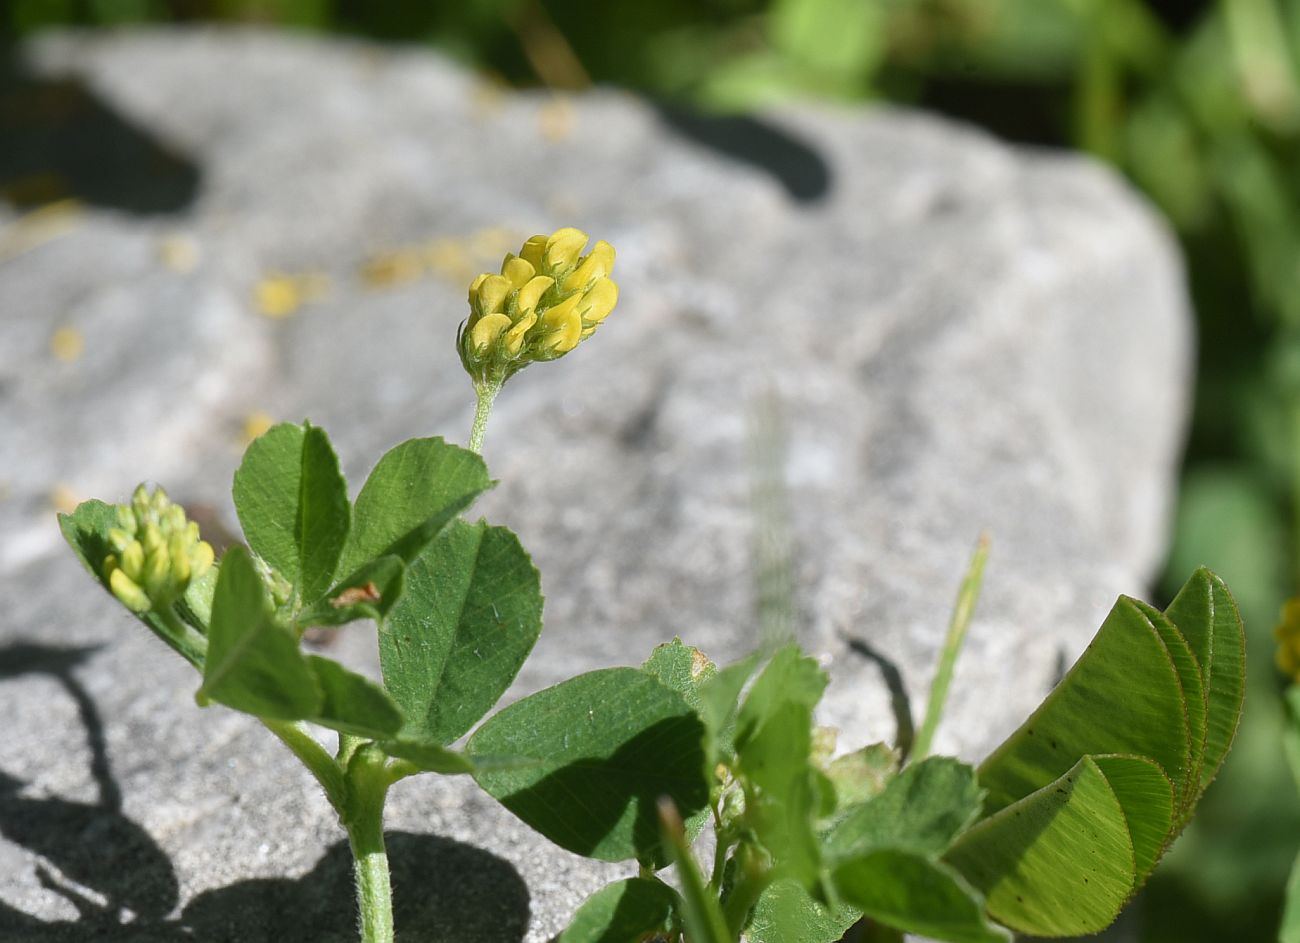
[
  {"x": 157, "y": 552},
  {"x": 546, "y": 300},
  {"x": 1287, "y": 633}
]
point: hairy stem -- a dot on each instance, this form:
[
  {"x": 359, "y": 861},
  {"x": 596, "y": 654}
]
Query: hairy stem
[
  {"x": 368, "y": 778},
  {"x": 967, "y": 596},
  {"x": 486, "y": 392}
]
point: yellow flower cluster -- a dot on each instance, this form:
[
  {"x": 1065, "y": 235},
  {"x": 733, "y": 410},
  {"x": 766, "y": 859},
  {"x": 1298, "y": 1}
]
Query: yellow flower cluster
[
  {"x": 157, "y": 553},
  {"x": 545, "y": 301},
  {"x": 1287, "y": 634}
]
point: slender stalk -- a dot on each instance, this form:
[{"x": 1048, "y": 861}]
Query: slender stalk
[
  {"x": 486, "y": 392},
  {"x": 967, "y": 596},
  {"x": 314, "y": 756},
  {"x": 368, "y": 778}
]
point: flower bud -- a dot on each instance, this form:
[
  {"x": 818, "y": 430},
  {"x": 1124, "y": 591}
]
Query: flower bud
[
  {"x": 545, "y": 301},
  {"x": 158, "y": 552}
]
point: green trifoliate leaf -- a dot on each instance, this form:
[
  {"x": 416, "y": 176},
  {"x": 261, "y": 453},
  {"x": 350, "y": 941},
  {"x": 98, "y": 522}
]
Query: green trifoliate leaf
[
  {"x": 254, "y": 663},
  {"x": 470, "y": 615},
  {"x": 610, "y": 743},
  {"x": 1126, "y": 676},
  {"x": 292, "y": 503},
  {"x": 633, "y": 909},
  {"x": 1063, "y": 860},
  {"x": 416, "y": 489}
]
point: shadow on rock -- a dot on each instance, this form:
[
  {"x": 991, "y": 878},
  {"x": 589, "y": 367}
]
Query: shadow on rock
[
  {"x": 123, "y": 886},
  {"x": 59, "y": 140}
]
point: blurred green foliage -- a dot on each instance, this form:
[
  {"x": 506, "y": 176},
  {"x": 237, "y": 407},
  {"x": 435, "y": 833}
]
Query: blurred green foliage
[{"x": 1198, "y": 103}]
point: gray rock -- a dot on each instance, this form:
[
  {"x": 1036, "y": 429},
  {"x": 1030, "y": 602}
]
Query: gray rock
[{"x": 958, "y": 336}]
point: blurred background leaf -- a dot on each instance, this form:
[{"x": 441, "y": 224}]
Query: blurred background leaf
[{"x": 1196, "y": 101}]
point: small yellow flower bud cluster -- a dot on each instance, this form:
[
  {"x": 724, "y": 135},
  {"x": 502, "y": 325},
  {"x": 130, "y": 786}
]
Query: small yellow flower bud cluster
[
  {"x": 156, "y": 554},
  {"x": 546, "y": 300},
  {"x": 1287, "y": 634}
]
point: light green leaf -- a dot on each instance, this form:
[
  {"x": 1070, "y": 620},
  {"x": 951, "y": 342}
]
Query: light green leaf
[
  {"x": 786, "y": 913},
  {"x": 773, "y": 761},
  {"x": 470, "y": 615},
  {"x": 1059, "y": 862},
  {"x": 916, "y": 895},
  {"x": 292, "y": 503},
  {"x": 625, "y": 910},
  {"x": 253, "y": 663},
  {"x": 681, "y": 668},
  {"x": 719, "y": 705},
  {"x": 352, "y": 703},
  {"x": 921, "y": 810},
  {"x": 862, "y": 774},
  {"x": 1126, "y": 676},
  {"x": 1146, "y": 795},
  {"x": 1207, "y": 616},
  {"x": 610, "y": 743},
  {"x": 417, "y": 488},
  {"x": 429, "y": 756}
]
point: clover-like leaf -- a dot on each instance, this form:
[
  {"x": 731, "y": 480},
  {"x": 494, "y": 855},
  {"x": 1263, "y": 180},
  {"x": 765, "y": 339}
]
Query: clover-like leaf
[
  {"x": 292, "y": 503},
  {"x": 471, "y": 613},
  {"x": 417, "y": 488},
  {"x": 610, "y": 743}
]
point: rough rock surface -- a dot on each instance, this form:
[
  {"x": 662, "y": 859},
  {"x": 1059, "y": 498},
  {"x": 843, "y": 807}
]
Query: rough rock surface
[{"x": 959, "y": 336}]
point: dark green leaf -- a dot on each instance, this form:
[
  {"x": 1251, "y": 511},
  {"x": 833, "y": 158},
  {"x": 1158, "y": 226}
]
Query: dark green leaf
[
  {"x": 623, "y": 911},
  {"x": 1059, "y": 862},
  {"x": 416, "y": 489},
  {"x": 470, "y": 615},
  {"x": 609, "y": 743},
  {"x": 786, "y": 913},
  {"x": 369, "y": 593},
  {"x": 921, "y": 810},
  {"x": 253, "y": 663},
  {"x": 917, "y": 895},
  {"x": 1194, "y": 698},
  {"x": 353, "y": 704},
  {"x": 292, "y": 502}
]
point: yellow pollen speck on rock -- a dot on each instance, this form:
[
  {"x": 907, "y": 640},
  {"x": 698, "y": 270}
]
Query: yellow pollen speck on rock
[
  {"x": 67, "y": 344},
  {"x": 277, "y": 296}
]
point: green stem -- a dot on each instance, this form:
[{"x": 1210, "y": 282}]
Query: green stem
[
  {"x": 187, "y": 641},
  {"x": 368, "y": 777},
  {"x": 314, "y": 756},
  {"x": 486, "y": 392},
  {"x": 967, "y": 596}
]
